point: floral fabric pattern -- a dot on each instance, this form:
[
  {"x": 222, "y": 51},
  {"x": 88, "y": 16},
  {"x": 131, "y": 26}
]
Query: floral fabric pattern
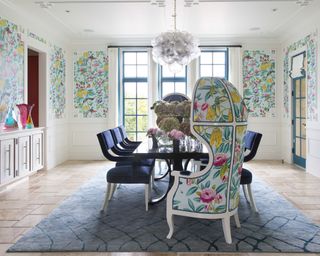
[
  {"x": 57, "y": 93},
  {"x": 212, "y": 105},
  {"x": 208, "y": 193},
  {"x": 312, "y": 103},
  {"x": 238, "y": 156},
  {"x": 91, "y": 84},
  {"x": 259, "y": 82},
  {"x": 11, "y": 65}
]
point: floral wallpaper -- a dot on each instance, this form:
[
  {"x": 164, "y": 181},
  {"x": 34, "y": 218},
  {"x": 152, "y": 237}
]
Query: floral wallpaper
[
  {"x": 312, "y": 103},
  {"x": 57, "y": 92},
  {"x": 91, "y": 84},
  {"x": 11, "y": 65},
  {"x": 259, "y": 82}
]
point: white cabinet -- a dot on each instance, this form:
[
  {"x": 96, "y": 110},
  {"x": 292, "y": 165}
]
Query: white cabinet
[
  {"x": 23, "y": 164},
  {"x": 37, "y": 151},
  {"x": 7, "y": 160},
  {"x": 21, "y": 153}
]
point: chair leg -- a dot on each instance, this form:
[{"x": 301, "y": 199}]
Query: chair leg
[
  {"x": 245, "y": 192},
  {"x": 113, "y": 189},
  {"x": 253, "y": 204},
  {"x": 147, "y": 195},
  {"x": 107, "y": 196},
  {"x": 236, "y": 218},
  {"x": 170, "y": 224},
  {"x": 227, "y": 229}
]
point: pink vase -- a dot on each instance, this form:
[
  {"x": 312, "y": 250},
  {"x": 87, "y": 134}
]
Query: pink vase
[{"x": 25, "y": 111}]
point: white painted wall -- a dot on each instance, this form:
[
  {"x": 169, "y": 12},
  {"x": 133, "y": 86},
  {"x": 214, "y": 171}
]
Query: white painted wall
[
  {"x": 55, "y": 139},
  {"x": 297, "y": 32}
]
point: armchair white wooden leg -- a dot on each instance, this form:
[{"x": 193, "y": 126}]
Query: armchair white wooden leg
[
  {"x": 252, "y": 202},
  {"x": 107, "y": 196},
  {"x": 170, "y": 224},
  {"x": 236, "y": 218},
  {"x": 227, "y": 229},
  {"x": 245, "y": 192}
]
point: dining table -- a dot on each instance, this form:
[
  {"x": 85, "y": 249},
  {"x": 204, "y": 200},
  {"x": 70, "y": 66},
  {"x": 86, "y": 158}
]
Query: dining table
[{"x": 173, "y": 157}]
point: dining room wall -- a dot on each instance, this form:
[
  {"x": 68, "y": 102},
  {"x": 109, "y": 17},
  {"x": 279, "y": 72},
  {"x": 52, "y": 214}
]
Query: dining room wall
[
  {"x": 53, "y": 79},
  {"x": 302, "y": 37}
]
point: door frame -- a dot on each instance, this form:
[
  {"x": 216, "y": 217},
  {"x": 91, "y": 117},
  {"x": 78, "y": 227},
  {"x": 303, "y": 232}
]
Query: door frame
[{"x": 298, "y": 161}]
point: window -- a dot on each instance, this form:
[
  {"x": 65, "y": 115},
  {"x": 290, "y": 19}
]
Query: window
[
  {"x": 135, "y": 93},
  {"x": 171, "y": 83},
  {"x": 214, "y": 63}
]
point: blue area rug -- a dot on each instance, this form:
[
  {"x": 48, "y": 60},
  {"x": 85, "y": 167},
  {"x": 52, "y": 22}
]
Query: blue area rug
[{"x": 78, "y": 225}]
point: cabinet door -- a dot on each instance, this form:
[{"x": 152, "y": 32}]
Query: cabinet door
[
  {"x": 7, "y": 160},
  {"x": 23, "y": 156},
  {"x": 37, "y": 151}
]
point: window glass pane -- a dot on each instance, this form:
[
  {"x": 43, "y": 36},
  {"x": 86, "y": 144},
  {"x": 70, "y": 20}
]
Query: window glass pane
[
  {"x": 219, "y": 71},
  {"x": 297, "y": 88},
  {"x": 303, "y": 108},
  {"x": 167, "y": 88},
  {"x": 129, "y": 71},
  {"x": 130, "y": 123},
  {"x": 298, "y": 108},
  {"x": 129, "y": 90},
  {"x": 219, "y": 58},
  {"x": 182, "y": 73},
  {"x": 206, "y": 58},
  {"x": 303, "y": 87},
  {"x": 166, "y": 72},
  {"x": 131, "y": 136},
  {"x": 142, "y": 90},
  {"x": 141, "y": 136},
  {"x": 181, "y": 88},
  {"x": 297, "y": 127},
  {"x": 130, "y": 58},
  {"x": 142, "y": 107},
  {"x": 297, "y": 149},
  {"x": 142, "y": 71},
  {"x": 142, "y": 58},
  {"x": 129, "y": 107},
  {"x": 303, "y": 128},
  {"x": 206, "y": 70},
  {"x": 303, "y": 148},
  {"x": 142, "y": 123}
]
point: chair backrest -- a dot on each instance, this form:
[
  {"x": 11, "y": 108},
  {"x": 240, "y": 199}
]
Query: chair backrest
[
  {"x": 106, "y": 144},
  {"x": 117, "y": 135},
  {"x": 252, "y": 141},
  {"x": 219, "y": 120},
  {"x": 123, "y": 132},
  {"x": 175, "y": 97}
]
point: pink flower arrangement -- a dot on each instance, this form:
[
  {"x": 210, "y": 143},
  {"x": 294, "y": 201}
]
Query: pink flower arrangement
[
  {"x": 176, "y": 134},
  {"x": 220, "y": 159},
  {"x": 152, "y": 131}
]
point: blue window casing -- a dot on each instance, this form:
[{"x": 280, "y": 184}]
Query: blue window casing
[{"x": 213, "y": 64}]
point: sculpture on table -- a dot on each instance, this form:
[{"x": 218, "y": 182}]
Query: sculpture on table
[
  {"x": 25, "y": 115},
  {"x": 10, "y": 121}
]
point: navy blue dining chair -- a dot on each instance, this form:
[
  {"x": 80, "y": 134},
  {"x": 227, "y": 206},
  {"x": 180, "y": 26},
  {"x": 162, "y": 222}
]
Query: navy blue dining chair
[{"x": 133, "y": 173}]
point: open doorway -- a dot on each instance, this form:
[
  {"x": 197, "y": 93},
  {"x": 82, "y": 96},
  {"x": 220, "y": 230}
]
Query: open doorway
[{"x": 33, "y": 84}]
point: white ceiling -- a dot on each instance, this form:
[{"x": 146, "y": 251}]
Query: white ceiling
[{"x": 138, "y": 18}]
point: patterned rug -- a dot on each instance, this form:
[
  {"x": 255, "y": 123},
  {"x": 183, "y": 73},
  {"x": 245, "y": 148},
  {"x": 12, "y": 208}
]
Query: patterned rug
[{"x": 78, "y": 225}]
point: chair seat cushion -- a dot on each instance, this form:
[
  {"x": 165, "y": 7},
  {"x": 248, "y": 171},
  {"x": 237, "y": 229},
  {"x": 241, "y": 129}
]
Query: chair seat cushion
[
  {"x": 147, "y": 162},
  {"x": 246, "y": 176},
  {"x": 128, "y": 174}
]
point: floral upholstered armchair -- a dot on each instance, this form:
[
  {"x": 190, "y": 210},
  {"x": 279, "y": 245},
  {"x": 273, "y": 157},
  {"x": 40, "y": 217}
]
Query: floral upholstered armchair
[{"x": 219, "y": 120}]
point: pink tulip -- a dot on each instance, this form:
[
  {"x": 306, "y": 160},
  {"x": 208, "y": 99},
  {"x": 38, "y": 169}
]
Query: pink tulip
[{"x": 204, "y": 106}]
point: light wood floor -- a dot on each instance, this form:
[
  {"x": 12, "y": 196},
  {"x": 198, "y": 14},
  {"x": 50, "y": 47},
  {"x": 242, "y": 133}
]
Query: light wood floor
[{"x": 25, "y": 203}]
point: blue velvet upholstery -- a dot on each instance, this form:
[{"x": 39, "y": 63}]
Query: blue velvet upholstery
[
  {"x": 246, "y": 177},
  {"x": 127, "y": 175},
  {"x": 175, "y": 97}
]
